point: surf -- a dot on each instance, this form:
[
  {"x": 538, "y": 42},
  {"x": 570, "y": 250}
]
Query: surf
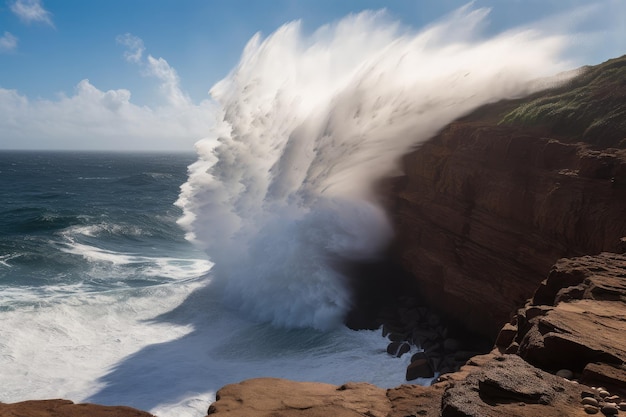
[{"x": 305, "y": 126}]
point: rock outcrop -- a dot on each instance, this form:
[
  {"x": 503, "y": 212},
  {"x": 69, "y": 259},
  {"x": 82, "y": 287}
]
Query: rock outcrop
[
  {"x": 66, "y": 408},
  {"x": 577, "y": 321},
  {"x": 488, "y": 205}
]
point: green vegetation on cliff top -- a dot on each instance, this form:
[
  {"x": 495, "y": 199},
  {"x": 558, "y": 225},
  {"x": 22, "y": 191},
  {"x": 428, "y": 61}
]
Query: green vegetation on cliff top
[{"x": 590, "y": 107}]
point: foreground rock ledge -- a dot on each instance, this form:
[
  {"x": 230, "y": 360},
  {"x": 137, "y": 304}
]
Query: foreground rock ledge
[
  {"x": 492, "y": 385},
  {"x": 66, "y": 408}
]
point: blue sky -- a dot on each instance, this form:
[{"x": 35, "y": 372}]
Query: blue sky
[{"x": 57, "y": 55}]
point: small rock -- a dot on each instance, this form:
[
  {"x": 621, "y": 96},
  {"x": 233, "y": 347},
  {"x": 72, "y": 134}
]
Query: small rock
[
  {"x": 609, "y": 409},
  {"x": 419, "y": 369},
  {"x": 590, "y": 409},
  {"x": 612, "y": 398},
  {"x": 565, "y": 373},
  {"x": 603, "y": 393},
  {"x": 419, "y": 355},
  {"x": 398, "y": 349},
  {"x": 586, "y": 394},
  {"x": 622, "y": 406},
  {"x": 590, "y": 401}
]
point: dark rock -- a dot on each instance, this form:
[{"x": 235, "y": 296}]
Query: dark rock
[
  {"x": 506, "y": 336},
  {"x": 419, "y": 368},
  {"x": 450, "y": 345},
  {"x": 398, "y": 349},
  {"x": 419, "y": 355}
]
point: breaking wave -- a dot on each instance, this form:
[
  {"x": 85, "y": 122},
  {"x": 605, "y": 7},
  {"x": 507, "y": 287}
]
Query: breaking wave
[{"x": 308, "y": 123}]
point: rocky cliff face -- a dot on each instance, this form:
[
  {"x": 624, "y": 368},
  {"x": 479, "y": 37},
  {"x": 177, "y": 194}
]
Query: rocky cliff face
[{"x": 488, "y": 205}]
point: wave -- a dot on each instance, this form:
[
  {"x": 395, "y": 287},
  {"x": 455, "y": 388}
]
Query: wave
[
  {"x": 306, "y": 126},
  {"x": 113, "y": 263}
]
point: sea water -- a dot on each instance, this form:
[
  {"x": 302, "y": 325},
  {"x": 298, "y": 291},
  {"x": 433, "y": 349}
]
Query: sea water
[
  {"x": 151, "y": 280},
  {"x": 103, "y": 299}
]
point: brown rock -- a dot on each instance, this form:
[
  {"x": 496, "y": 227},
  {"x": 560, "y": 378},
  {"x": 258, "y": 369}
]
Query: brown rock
[
  {"x": 611, "y": 376},
  {"x": 279, "y": 397},
  {"x": 415, "y": 400},
  {"x": 66, "y": 408},
  {"x": 508, "y": 386},
  {"x": 591, "y": 409}
]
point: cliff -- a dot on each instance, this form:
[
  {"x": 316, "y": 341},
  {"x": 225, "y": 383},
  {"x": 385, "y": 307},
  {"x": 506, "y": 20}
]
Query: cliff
[{"x": 488, "y": 205}]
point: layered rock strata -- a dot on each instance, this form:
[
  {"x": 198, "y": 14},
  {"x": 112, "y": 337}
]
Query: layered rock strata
[
  {"x": 489, "y": 204},
  {"x": 576, "y": 320}
]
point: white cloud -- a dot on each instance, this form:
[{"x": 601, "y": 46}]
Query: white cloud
[
  {"x": 170, "y": 85},
  {"x": 96, "y": 119},
  {"x": 31, "y": 11},
  {"x": 8, "y": 42},
  {"x": 135, "y": 47},
  {"x": 155, "y": 67}
]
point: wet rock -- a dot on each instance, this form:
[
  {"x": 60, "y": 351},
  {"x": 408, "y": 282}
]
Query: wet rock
[
  {"x": 398, "y": 349},
  {"x": 419, "y": 368}
]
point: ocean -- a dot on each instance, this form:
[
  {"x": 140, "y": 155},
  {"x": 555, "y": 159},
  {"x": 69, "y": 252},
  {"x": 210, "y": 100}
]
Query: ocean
[
  {"x": 102, "y": 299},
  {"x": 151, "y": 280}
]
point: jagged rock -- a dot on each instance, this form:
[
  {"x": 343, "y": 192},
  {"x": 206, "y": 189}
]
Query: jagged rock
[
  {"x": 578, "y": 332},
  {"x": 508, "y": 386},
  {"x": 506, "y": 336},
  {"x": 66, "y": 408}
]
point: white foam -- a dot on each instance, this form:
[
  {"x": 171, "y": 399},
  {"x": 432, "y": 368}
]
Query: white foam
[
  {"x": 168, "y": 267},
  {"x": 310, "y": 123},
  {"x": 58, "y": 346}
]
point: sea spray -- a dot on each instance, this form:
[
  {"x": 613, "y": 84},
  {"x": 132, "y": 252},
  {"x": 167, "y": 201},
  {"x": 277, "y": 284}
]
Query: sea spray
[{"x": 307, "y": 124}]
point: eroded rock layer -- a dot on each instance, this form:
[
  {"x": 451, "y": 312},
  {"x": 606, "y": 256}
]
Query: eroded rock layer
[{"x": 488, "y": 205}]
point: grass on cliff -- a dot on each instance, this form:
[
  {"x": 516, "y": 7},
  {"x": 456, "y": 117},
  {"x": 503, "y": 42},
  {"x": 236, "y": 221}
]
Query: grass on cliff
[{"x": 590, "y": 107}]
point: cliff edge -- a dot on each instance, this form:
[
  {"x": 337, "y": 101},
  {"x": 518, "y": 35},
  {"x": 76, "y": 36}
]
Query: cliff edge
[{"x": 488, "y": 205}]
